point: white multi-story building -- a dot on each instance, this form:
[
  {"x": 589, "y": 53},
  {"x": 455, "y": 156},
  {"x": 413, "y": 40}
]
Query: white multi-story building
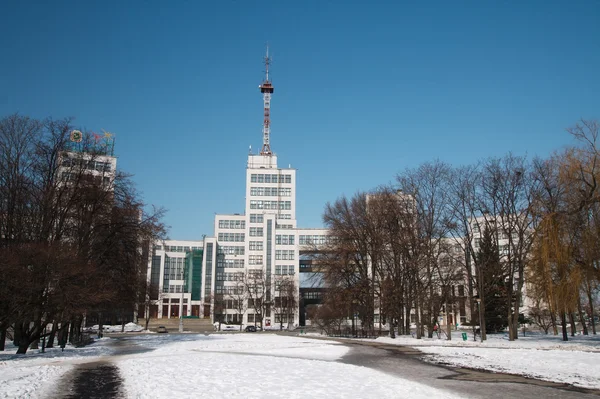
[{"x": 261, "y": 240}]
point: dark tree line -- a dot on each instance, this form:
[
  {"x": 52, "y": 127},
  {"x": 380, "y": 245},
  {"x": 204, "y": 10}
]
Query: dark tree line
[
  {"x": 73, "y": 235},
  {"x": 495, "y": 230}
]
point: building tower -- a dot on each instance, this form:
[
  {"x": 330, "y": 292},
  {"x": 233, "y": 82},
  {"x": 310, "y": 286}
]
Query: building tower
[{"x": 266, "y": 88}]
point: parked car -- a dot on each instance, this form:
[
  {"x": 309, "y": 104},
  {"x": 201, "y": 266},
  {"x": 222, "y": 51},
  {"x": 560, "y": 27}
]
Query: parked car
[
  {"x": 230, "y": 327},
  {"x": 250, "y": 329},
  {"x": 162, "y": 329}
]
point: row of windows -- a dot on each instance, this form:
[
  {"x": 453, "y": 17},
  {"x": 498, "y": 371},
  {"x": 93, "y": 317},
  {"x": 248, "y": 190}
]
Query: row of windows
[
  {"x": 312, "y": 240},
  {"x": 284, "y": 239},
  {"x": 259, "y": 218},
  {"x": 222, "y": 276},
  {"x": 271, "y": 191},
  {"x": 256, "y": 245},
  {"x": 85, "y": 164},
  {"x": 256, "y": 231},
  {"x": 232, "y": 237},
  {"x": 312, "y": 295},
  {"x": 276, "y": 205},
  {"x": 283, "y": 318},
  {"x": 230, "y": 263},
  {"x": 231, "y": 250},
  {"x": 229, "y": 290},
  {"x": 284, "y": 226},
  {"x": 68, "y": 176},
  {"x": 255, "y": 259},
  {"x": 173, "y": 289},
  {"x": 283, "y": 254},
  {"x": 178, "y": 248},
  {"x": 232, "y": 224},
  {"x": 283, "y": 270},
  {"x": 268, "y": 178}
]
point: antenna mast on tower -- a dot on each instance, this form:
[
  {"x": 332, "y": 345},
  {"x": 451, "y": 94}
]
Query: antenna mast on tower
[{"x": 266, "y": 88}]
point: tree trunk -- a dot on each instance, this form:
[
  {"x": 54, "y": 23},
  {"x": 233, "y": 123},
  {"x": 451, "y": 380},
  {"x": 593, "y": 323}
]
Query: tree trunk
[
  {"x": 591, "y": 303},
  {"x": 481, "y": 303},
  {"x": 511, "y": 325},
  {"x": 563, "y": 322},
  {"x": 573, "y": 326},
  {"x": 553, "y": 319},
  {"x": 72, "y": 332},
  {"x": 581, "y": 318},
  {"x": 50, "y": 343},
  {"x": 2, "y": 337},
  {"x": 417, "y": 320},
  {"x": 17, "y": 333},
  {"x": 448, "y": 324},
  {"x": 23, "y": 345},
  {"x": 407, "y": 319},
  {"x": 147, "y": 321},
  {"x": 35, "y": 344}
]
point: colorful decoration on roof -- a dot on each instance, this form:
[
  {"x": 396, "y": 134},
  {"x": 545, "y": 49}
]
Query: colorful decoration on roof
[
  {"x": 76, "y": 136},
  {"x": 92, "y": 142}
]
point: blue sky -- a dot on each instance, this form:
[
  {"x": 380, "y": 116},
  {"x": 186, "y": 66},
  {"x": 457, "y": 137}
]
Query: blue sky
[{"x": 363, "y": 90}]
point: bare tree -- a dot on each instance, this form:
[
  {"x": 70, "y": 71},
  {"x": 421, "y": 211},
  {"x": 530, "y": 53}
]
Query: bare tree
[
  {"x": 286, "y": 300},
  {"x": 258, "y": 289}
]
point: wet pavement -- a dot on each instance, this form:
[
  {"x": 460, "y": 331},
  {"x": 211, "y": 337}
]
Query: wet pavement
[
  {"x": 95, "y": 381},
  {"x": 406, "y": 362},
  {"x": 98, "y": 379}
]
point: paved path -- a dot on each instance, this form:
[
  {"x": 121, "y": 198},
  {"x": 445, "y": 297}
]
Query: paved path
[
  {"x": 405, "y": 362},
  {"x": 98, "y": 379}
]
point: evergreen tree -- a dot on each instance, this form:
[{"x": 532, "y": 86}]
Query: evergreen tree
[{"x": 494, "y": 288}]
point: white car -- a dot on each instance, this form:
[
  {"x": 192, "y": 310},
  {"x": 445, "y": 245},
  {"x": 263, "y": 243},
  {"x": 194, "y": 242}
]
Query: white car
[{"x": 230, "y": 327}]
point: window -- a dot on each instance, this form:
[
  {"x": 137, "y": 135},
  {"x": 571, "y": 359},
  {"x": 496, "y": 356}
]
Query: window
[
  {"x": 253, "y": 178},
  {"x": 284, "y": 254},
  {"x": 230, "y": 263},
  {"x": 250, "y": 317},
  {"x": 256, "y": 231},
  {"x": 232, "y": 224},
  {"x": 274, "y": 178},
  {"x": 231, "y": 250},
  {"x": 284, "y": 239},
  {"x": 260, "y": 178},
  {"x": 267, "y": 178},
  {"x": 235, "y": 237},
  {"x": 256, "y": 218},
  {"x": 255, "y": 260},
  {"x": 256, "y": 245},
  {"x": 288, "y": 178}
]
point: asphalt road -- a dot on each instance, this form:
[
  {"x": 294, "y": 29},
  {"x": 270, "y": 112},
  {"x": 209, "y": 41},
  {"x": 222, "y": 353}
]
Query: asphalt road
[{"x": 405, "y": 362}]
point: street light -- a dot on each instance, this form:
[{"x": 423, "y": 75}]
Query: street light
[
  {"x": 480, "y": 320},
  {"x": 182, "y": 296}
]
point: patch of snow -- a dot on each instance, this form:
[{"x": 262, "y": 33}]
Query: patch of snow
[{"x": 258, "y": 366}]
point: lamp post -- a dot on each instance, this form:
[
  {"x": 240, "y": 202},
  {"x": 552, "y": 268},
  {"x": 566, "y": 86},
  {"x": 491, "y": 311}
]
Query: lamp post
[
  {"x": 480, "y": 319},
  {"x": 182, "y": 296}
]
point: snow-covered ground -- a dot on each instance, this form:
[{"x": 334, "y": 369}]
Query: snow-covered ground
[
  {"x": 216, "y": 366},
  {"x": 539, "y": 356},
  {"x": 259, "y": 365},
  {"x": 35, "y": 374}
]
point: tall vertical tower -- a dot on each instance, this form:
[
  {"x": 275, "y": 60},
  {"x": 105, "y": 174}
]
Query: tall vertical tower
[{"x": 266, "y": 88}]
